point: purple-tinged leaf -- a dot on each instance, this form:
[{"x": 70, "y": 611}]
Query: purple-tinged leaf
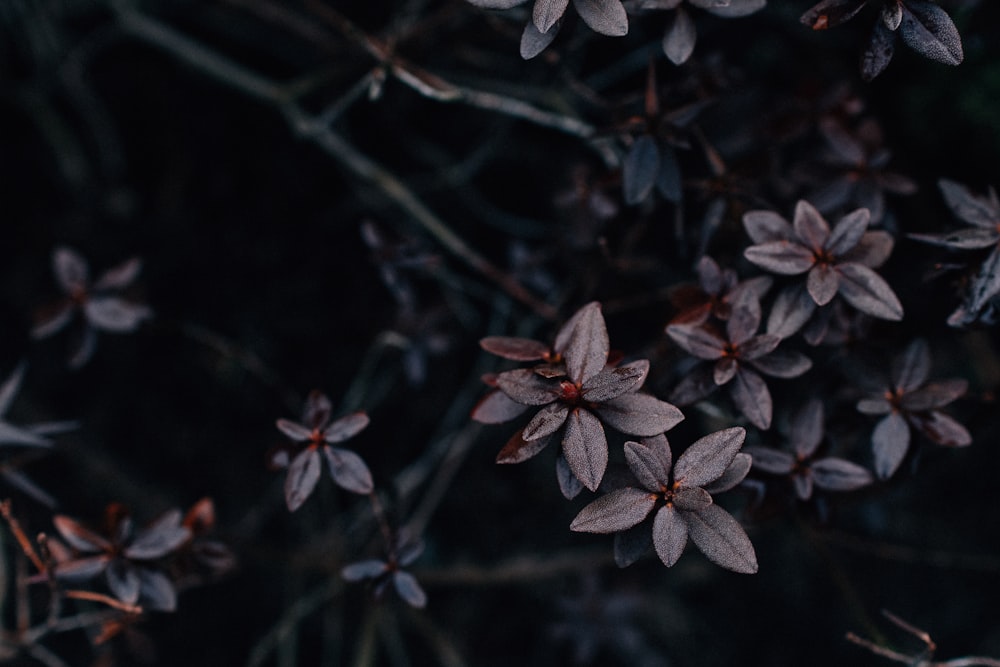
[
  {"x": 892, "y": 15},
  {"x": 697, "y": 341},
  {"x": 70, "y": 270},
  {"x": 546, "y": 12},
  {"x": 680, "y": 37},
  {"x": 119, "y": 277},
  {"x": 734, "y": 474},
  {"x": 160, "y": 538},
  {"x": 12, "y": 435},
  {"x": 985, "y": 285},
  {"x": 650, "y": 462},
  {"x": 349, "y": 470},
  {"x": 113, "y": 314},
  {"x": 792, "y": 308},
  {"x": 303, "y": 473},
  {"x": 878, "y": 54},
  {"x": 786, "y": 258},
  {"x": 822, "y": 283},
  {"x": 79, "y": 536},
  {"x": 708, "y": 457},
  {"x": 962, "y": 239},
  {"x": 831, "y": 13},
  {"x": 569, "y": 485},
  {"x": 832, "y": 474},
  {"x": 294, "y": 431},
  {"x": 978, "y": 211},
  {"x": 346, "y": 427},
  {"x": 750, "y": 394},
  {"x": 670, "y": 533},
  {"x": 810, "y": 226},
  {"x": 743, "y": 322},
  {"x": 496, "y": 408},
  {"x": 615, "y": 511},
  {"x": 409, "y": 551},
  {"x": 848, "y": 231},
  {"x": 802, "y": 482},
  {"x": 691, "y": 498},
  {"x": 872, "y": 250},
  {"x": 23, "y": 483},
  {"x": 849, "y": 151},
  {"x": 583, "y": 343},
  {"x": 607, "y": 17},
  {"x": 724, "y": 370},
  {"x": 518, "y": 449},
  {"x": 515, "y": 349},
  {"x": 758, "y": 347},
  {"x": 934, "y": 395},
  {"x": 585, "y": 447},
  {"x": 772, "y": 461},
  {"x": 524, "y": 386},
  {"x": 805, "y": 431},
  {"x": 317, "y": 410},
  {"x": 613, "y": 382},
  {"x": 156, "y": 591},
  {"x": 874, "y": 406},
  {"x": 534, "y": 42},
  {"x": 890, "y": 440},
  {"x": 123, "y": 581},
  {"x": 868, "y": 292},
  {"x": 640, "y": 168},
  {"x": 722, "y": 539},
  {"x": 639, "y": 414},
  {"x": 632, "y": 544},
  {"x": 943, "y": 430},
  {"x": 10, "y": 386},
  {"x": 364, "y": 569},
  {"x": 694, "y": 386},
  {"x": 766, "y": 227},
  {"x": 409, "y": 589},
  {"x": 80, "y": 569},
  {"x": 547, "y": 421},
  {"x": 85, "y": 348},
  {"x": 710, "y": 276},
  {"x": 53, "y": 322},
  {"x": 668, "y": 180},
  {"x": 928, "y": 30}
]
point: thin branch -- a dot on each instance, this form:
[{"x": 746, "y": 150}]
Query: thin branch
[{"x": 240, "y": 78}]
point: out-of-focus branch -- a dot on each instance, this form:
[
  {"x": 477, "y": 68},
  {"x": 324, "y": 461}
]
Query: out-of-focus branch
[{"x": 309, "y": 127}]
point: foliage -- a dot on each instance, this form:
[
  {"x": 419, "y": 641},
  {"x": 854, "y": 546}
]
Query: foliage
[{"x": 485, "y": 227}]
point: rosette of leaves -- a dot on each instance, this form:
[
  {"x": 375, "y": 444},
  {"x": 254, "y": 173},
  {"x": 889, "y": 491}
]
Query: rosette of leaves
[
  {"x": 577, "y": 393},
  {"x": 678, "y": 497},
  {"x": 98, "y": 303},
  {"x": 131, "y": 561},
  {"x": 313, "y": 436},
  {"x": 715, "y": 294},
  {"x": 856, "y": 169},
  {"x": 923, "y": 26},
  {"x": 837, "y": 262},
  {"x": 31, "y": 435},
  {"x": 908, "y": 402},
  {"x": 607, "y": 17},
  {"x": 982, "y": 214},
  {"x": 738, "y": 356},
  {"x": 650, "y": 160},
  {"x": 391, "y": 571},
  {"x": 804, "y": 436}
]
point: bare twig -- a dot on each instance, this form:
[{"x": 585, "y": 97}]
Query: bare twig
[
  {"x": 308, "y": 126},
  {"x": 923, "y": 658}
]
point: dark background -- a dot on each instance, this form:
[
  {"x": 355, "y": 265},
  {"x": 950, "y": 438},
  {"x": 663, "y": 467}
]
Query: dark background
[{"x": 264, "y": 289}]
